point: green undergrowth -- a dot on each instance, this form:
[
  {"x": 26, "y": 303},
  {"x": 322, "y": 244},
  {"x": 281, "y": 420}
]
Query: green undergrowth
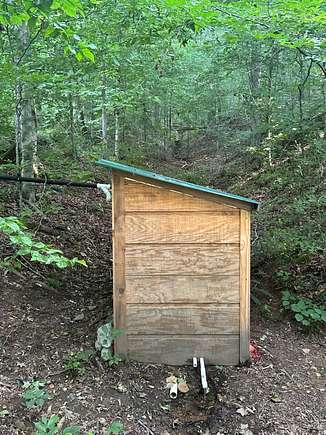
[
  {"x": 289, "y": 239},
  {"x": 25, "y": 246}
]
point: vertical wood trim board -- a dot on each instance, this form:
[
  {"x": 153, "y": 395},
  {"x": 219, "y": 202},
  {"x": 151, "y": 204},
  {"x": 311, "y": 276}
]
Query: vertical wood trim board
[
  {"x": 244, "y": 284},
  {"x": 119, "y": 285}
]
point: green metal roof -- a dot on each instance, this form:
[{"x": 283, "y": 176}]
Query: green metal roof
[{"x": 152, "y": 175}]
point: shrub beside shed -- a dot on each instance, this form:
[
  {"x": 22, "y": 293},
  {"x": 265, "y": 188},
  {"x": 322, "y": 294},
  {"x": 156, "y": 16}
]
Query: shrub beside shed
[{"x": 181, "y": 273}]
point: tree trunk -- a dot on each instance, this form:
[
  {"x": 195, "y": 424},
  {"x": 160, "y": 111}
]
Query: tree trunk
[
  {"x": 72, "y": 125},
  {"x": 26, "y": 134},
  {"x": 116, "y": 134},
  {"x": 104, "y": 119},
  {"x": 254, "y": 85}
]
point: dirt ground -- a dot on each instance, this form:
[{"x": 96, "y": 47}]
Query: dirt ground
[{"x": 45, "y": 314}]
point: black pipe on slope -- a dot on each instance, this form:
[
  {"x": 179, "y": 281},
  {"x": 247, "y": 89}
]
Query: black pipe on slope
[{"x": 45, "y": 181}]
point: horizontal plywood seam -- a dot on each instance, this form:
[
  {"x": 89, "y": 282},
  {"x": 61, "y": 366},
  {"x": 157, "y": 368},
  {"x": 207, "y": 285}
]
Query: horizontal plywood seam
[
  {"x": 236, "y": 275},
  {"x": 198, "y": 244},
  {"x": 217, "y": 212},
  {"x": 156, "y": 274},
  {"x": 236, "y": 336},
  {"x": 182, "y": 336},
  {"x": 184, "y": 303}
]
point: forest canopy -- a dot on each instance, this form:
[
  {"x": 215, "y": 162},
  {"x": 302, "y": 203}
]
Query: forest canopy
[{"x": 224, "y": 93}]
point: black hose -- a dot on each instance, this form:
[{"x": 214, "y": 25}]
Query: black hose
[{"x": 20, "y": 179}]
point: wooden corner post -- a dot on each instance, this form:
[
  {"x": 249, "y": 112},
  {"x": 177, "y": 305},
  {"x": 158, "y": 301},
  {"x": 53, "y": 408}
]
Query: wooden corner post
[
  {"x": 119, "y": 281},
  {"x": 244, "y": 285}
]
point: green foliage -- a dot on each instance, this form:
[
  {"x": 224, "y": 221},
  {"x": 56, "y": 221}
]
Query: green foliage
[
  {"x": 291, "y": 243},
  {"x": 4, "y": 412},
  {"x": 116, "y": 427},
  {"x": 50, "y": 426},
  {"x": 304, "y": 310},
  {"x": 76, "y": 361},
  {"x": 106, "y": 335},
  {"x": 264, "y": 308},
  {"x": 168, "y": 92},
  {"x": 27, "y": 247},
  {"x": 34, "y": 394}
]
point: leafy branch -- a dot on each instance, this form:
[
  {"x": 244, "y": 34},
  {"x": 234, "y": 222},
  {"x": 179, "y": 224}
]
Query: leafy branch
[{"x": 27, "y": 247}]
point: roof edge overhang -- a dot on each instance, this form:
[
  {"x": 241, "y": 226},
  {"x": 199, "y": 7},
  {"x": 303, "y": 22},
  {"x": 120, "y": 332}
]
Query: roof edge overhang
[{"x": 144, "y": 174}]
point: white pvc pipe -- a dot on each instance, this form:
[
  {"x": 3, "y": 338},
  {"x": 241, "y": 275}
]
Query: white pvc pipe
[
  {"x": 203, "y": 375},
  {"x": 174, "y": 391}
]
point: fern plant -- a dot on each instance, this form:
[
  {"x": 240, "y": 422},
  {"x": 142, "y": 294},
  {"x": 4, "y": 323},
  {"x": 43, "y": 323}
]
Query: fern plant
[{"x": 28, "y": 247}]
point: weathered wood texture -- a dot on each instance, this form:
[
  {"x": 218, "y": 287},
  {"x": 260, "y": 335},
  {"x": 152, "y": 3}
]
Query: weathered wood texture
[
  {"x": 187, "y": 227},
  {"x": 188, "y": 191},
  {"x": 145, "y": 197},
  {"x": 244, "y": 285},
  {"x": 182, "y": 289},
  {"x": 181, "y": 274},
  {"x": 196, "y": 260},
  {"x": 187, "y": 319},
  {"x": 179, "y": 350},
  {"x": 119, "y": 286}
]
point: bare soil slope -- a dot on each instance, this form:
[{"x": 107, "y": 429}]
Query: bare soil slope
[{"x": 46, "y": 314}]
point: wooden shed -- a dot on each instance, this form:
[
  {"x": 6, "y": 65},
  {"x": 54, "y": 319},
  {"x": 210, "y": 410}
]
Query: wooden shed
[{"x": 181, "y": 272}]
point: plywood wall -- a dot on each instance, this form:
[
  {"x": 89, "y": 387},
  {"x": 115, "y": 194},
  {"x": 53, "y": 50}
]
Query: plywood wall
[{"x": 180, "y": 275}]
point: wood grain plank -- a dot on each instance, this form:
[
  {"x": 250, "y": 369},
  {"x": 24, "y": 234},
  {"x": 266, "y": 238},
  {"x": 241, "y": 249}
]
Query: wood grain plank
[
  {"x": 182, "y": 319},
  {"x": 244, "y": 285},
  {"x": 179, "y": 350},
  {"x": 140, "y": 196},
  {"x": 182, "y": 289},
  {"x": 118, "y": 236},
  {"x": 218, "y": 227},
  {"x": 197, "y": 260}
]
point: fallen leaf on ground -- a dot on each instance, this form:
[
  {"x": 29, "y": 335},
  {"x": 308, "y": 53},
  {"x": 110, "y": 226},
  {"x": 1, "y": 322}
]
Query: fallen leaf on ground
[
  {"x": 244, "y": 430},
  {"x": 171, "y": 380},
  {"x": 121, "y": 388},
  {"x": 183, "y": 387},
  {"x": 276, "y": 399},
  {"x": 242, "y": 411},
  {"x": 246, "y": 411}
]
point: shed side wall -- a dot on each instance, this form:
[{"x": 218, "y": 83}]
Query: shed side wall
[{"x": 182, "y": 271}]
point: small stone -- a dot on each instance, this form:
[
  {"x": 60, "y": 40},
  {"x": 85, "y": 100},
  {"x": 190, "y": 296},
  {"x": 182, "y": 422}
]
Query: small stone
[
  {"x": 92, "y": 307},
  {"x": 121, "y": 388},
  {"x": 79, "y": 317}
]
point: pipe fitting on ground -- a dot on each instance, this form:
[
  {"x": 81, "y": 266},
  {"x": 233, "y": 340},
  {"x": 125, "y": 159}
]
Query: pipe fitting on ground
[{"x": 174, "y": 391}]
